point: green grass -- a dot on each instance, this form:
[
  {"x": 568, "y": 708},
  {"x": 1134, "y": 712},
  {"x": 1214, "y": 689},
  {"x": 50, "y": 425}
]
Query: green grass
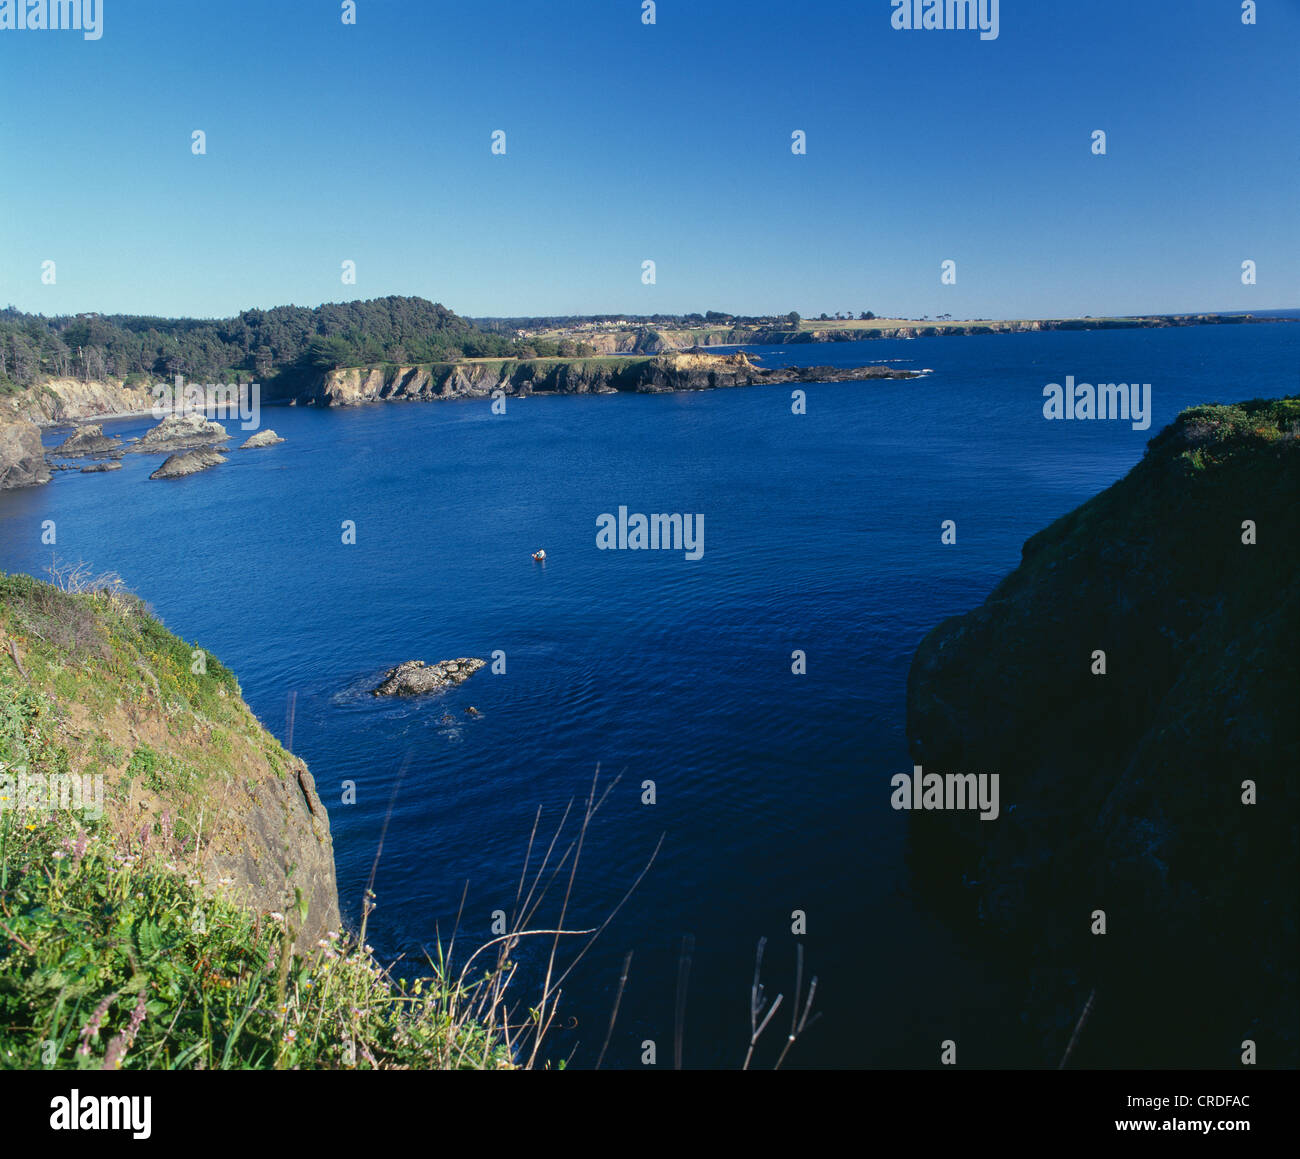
[
  {"x": 113, "y": 951},
  {"x": 116, "y": 958}
]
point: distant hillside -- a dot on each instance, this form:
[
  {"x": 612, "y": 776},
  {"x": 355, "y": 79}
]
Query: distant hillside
[{"x": 276, "y": 348}]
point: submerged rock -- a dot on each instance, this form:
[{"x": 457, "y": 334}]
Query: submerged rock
[
  {"x": 110, "y": 465},
  {"x": 267, "y": 438},
  {"x": 88, "y": 440},
  {"x": 187, "y": 463},
  {"x": 178, "y": 432},
  {"x": 416, "y": 677}
]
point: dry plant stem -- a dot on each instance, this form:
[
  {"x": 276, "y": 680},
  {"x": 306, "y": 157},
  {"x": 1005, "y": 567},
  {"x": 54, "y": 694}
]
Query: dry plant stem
[
  {"x": 564, "y": 910},
  {"x": 13, "y": 651},
  {"x": 679, "y": 1014},
  {"x": 797, "y": 1028},
  {"x": 379, "y": 850},
  {"x": 1078, "y": 1029},
  {"x": 622, "y": 901},
  {"x": 613, "y": 1016}
]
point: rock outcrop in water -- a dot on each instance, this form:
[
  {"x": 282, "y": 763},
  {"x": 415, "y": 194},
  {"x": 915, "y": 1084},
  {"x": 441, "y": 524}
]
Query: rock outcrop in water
[
  {"x": 415, "y": 677},
  {"x": 88, "y": 440},
  {"x": 1123, "y": 792},
  {"x": 22, "y": 459},
  {"x": 179, "y": 432},
  {"x": 267, "y": 438},
  {"x": 480, "y": 379},
  {"x": 187, "y": 463}
]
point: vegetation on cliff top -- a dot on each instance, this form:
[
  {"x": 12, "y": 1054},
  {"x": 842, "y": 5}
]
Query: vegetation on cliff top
[
  {"x": 114, "y": 949},
  {"x": 288, "y": 342}
]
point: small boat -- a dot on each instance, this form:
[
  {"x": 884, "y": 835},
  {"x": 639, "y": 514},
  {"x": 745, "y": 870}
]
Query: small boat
[{"x": 539, "y": 555}]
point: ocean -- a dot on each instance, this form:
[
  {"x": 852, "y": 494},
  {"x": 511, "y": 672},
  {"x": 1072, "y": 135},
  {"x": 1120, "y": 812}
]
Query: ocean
[{"x": 821, "y": 538}]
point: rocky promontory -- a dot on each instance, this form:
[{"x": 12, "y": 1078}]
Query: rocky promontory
[
  {"x": 187, "y": 463},
  {"x": 1133, "y": 684},
  {"x": 415, "y": 677},
  {"x": 521, "y": 377}
]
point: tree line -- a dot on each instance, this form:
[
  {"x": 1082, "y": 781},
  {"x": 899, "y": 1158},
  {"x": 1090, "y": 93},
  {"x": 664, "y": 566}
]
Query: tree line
[{"x": 285, "y": 343}]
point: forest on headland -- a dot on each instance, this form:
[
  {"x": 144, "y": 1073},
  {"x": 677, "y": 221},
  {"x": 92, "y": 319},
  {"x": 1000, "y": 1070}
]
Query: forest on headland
[{"x": 255, "y": 345}]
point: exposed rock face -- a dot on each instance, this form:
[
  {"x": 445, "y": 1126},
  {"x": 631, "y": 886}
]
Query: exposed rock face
[
  {"x": 254, "y": 825},
  {"x": 1123, "y": 792},
  {"x": 267, "y": 438},
  {"x": 88, "y": 440},
  {"x": 63, "y": 400},
  {"x": 96, "y": 467},
  {"x": 415, "y": 677},
  {"x": 22, "y": 458},
  {"x": 187, "y": 463},
  {"x": 285, "y": 844},
  {"x": 569, "y": 376},
  {"x": 178, "y": 432}
]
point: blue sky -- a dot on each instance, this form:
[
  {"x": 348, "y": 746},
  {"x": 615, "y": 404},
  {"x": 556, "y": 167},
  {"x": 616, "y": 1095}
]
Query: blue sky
[{"x": 627, "y": 142}]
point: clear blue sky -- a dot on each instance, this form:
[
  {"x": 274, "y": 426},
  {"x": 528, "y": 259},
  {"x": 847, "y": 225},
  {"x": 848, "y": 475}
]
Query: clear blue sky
[{"x": 670, "y": 142}]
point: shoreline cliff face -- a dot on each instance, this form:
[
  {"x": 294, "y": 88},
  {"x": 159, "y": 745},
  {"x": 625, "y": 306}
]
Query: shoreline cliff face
[
  {"x": 22, "y": 458},
  {"x": 63, "y": 400},
  {"x": 1124, "y": 792},
  {"x": 187, "y": 769},
  {"x": 676, "y": 372}
]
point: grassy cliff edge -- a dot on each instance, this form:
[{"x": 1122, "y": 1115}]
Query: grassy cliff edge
[{"x": 167, "y": 891}]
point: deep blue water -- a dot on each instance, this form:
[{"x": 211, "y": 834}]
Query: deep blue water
[{"x": 821, "y": 533}]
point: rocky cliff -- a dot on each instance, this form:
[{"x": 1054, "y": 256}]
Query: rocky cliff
[
  {"x": 100, "y": 688},
  {"x": 479, "y": 379},
  {"x": 64, "y": 399},
  {"x": 1156, "y": 784},
  {"x": 22, "y": 461}
]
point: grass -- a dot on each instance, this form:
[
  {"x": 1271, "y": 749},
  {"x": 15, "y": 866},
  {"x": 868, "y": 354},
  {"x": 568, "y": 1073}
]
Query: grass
[
  {"x": 115, "y": 958},
  {"x": 119, "y": 950},
  {"x": 117, "y": 953}
]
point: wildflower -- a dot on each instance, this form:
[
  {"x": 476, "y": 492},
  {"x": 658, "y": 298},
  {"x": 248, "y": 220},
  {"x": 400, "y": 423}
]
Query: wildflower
[
  {"x": 58, "y": 855},
  {"x": 91, "y": 1029},
  {"x": 278, "y": 917},
  {"x": 121, "y": 1043},
  {"x": 290, "y": 1034},
  {"x": 333, "y": 935},
  {"x": 225, "y": 881}
]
